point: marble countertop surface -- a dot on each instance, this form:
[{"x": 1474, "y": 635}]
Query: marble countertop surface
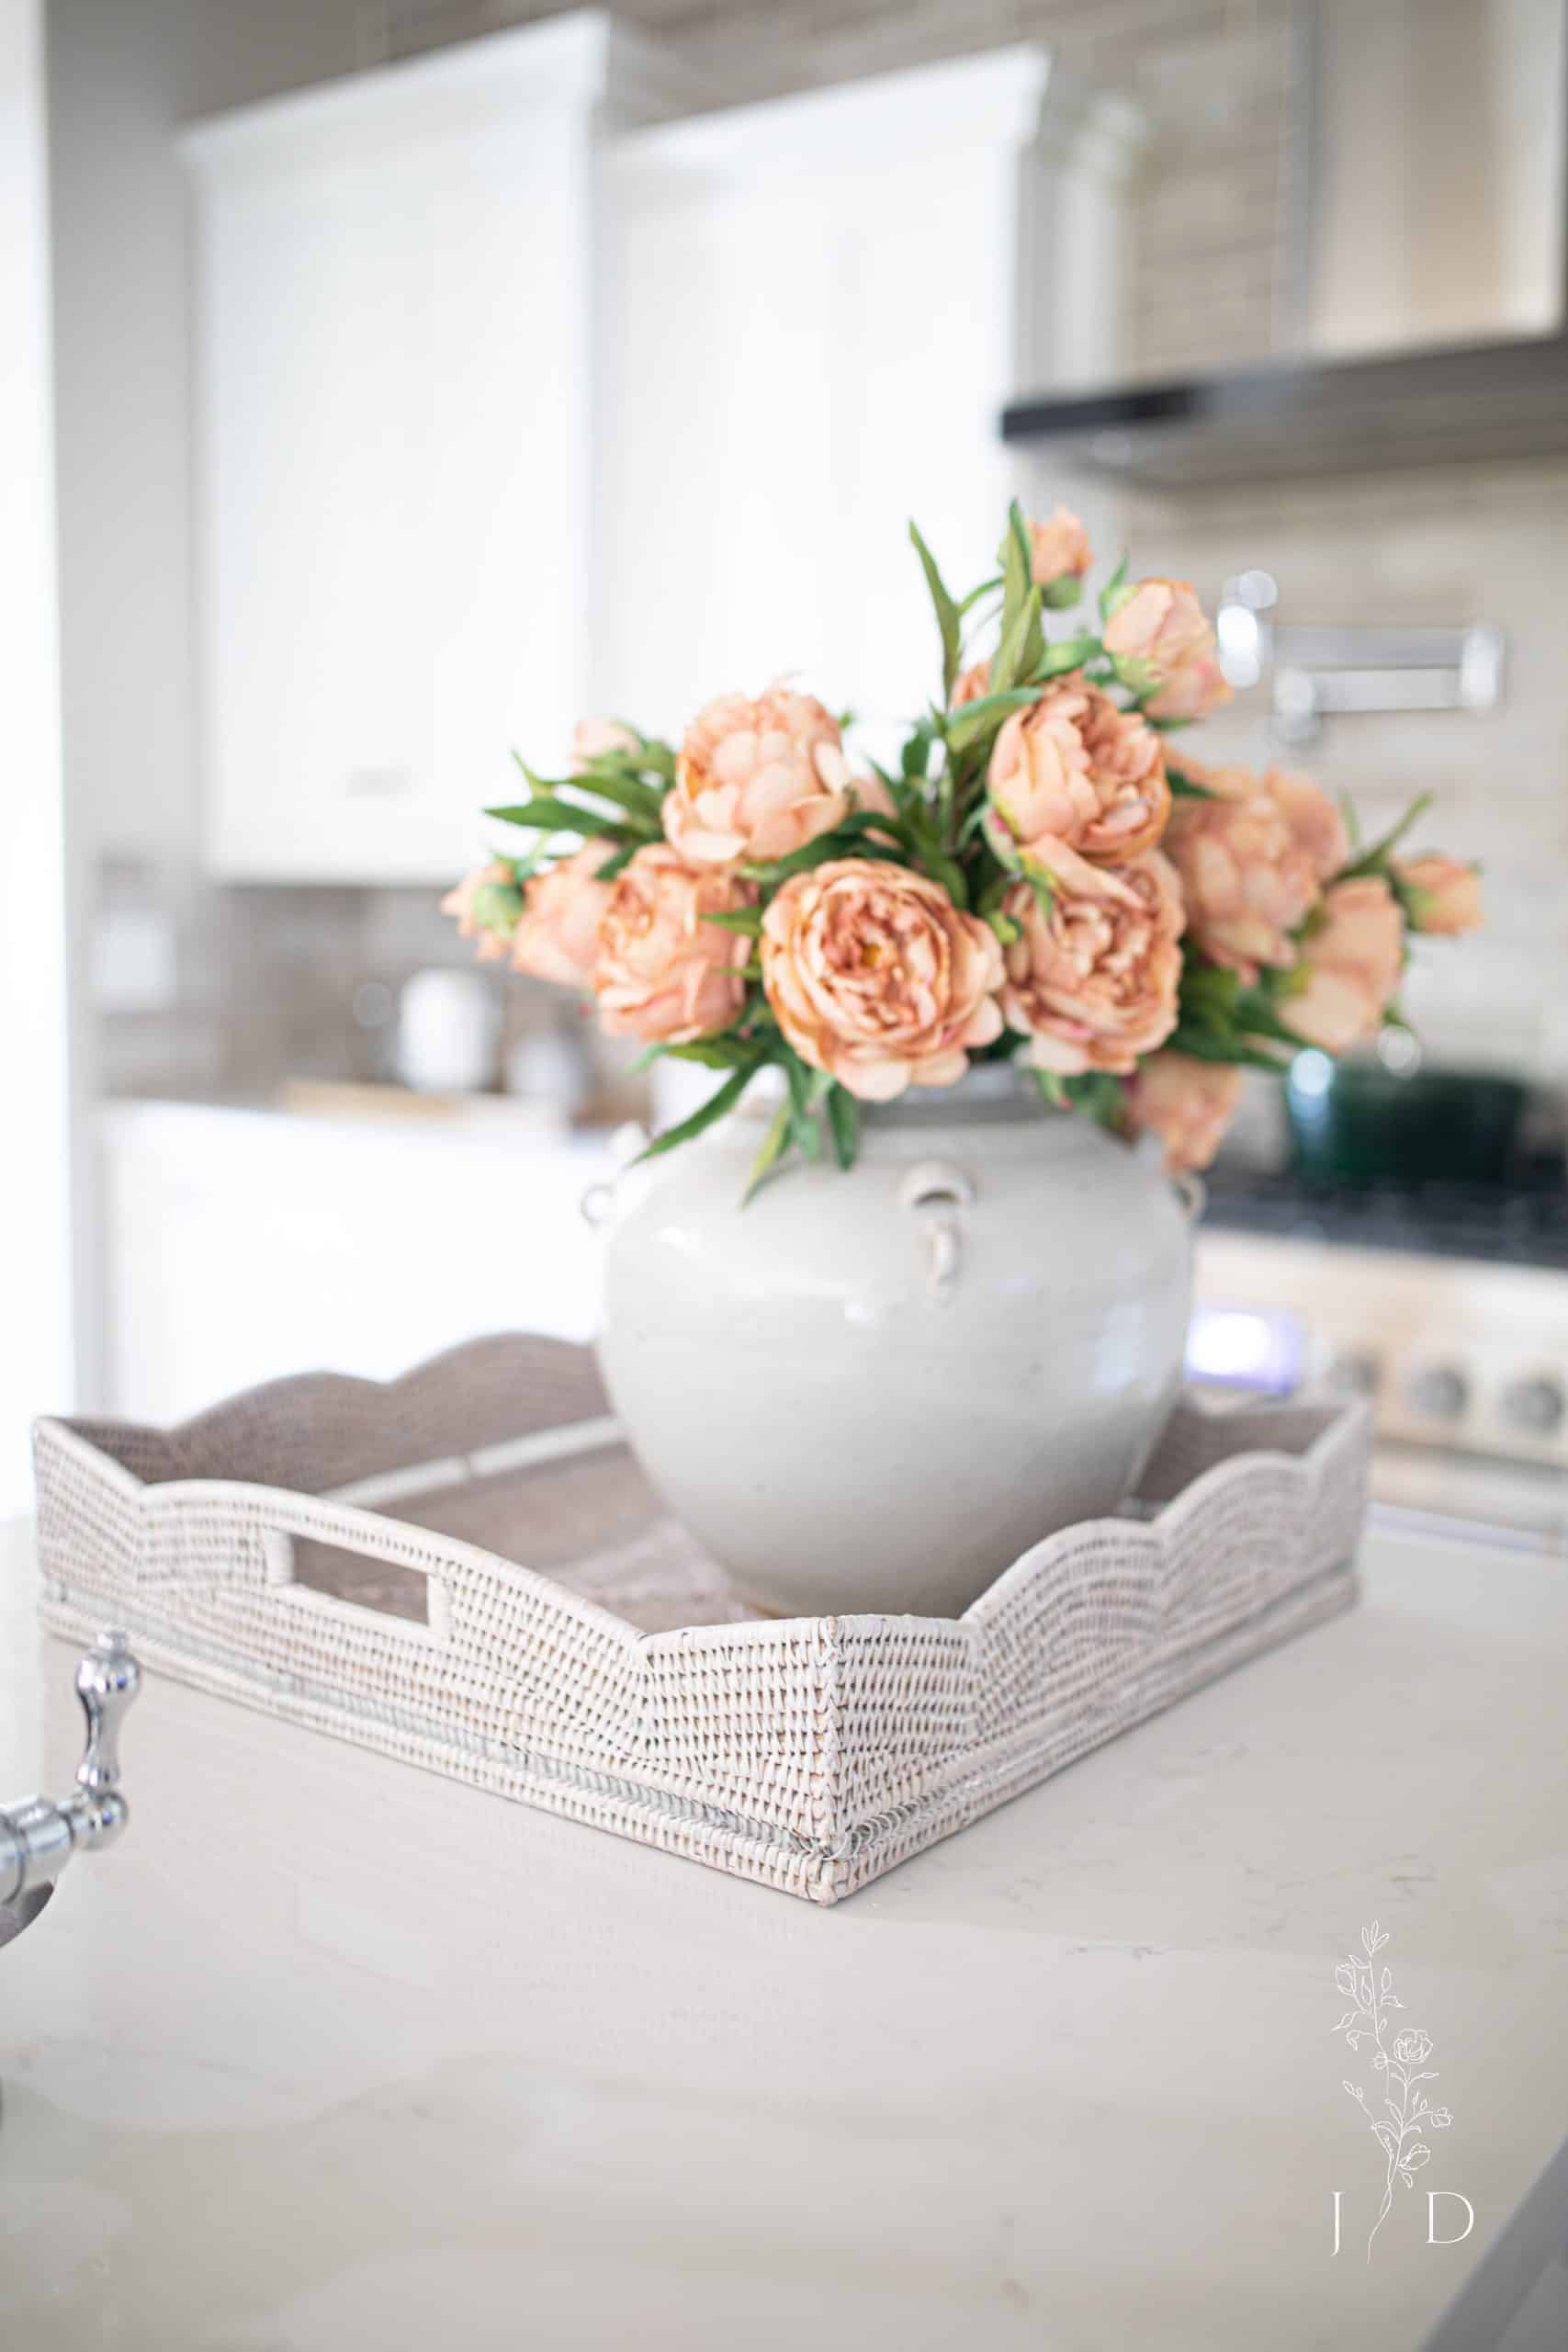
[{"x": 332, "y": 2053}]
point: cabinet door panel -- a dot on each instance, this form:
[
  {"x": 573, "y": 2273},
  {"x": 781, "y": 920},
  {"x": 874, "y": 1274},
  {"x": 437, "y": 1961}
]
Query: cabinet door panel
[{"x": 808, "y": 343}]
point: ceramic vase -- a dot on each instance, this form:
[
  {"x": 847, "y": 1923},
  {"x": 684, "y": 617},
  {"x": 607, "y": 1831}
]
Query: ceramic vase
[{"x": 874, "y": 1390}]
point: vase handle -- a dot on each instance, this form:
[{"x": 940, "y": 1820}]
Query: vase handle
[
  {"x": 1191, "y": 1191},
  {"x": 942, "y": 1190}
]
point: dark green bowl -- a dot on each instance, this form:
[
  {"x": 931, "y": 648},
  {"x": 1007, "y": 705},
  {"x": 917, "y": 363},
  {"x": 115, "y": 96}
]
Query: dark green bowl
[{"x": 1359, "y": 1125}]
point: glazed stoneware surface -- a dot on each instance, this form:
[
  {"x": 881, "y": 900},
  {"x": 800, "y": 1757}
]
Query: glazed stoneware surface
[{"x": 873, "y": 1390}]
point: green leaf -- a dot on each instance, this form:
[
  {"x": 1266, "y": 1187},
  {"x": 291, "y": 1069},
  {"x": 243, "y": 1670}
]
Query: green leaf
[
  {"x": 1116, "y": 592},
  {"x": 987, "y": 588},
  {"x": 850, "y": 839},
  {"x": 775, "y": 1143},
  {"x": 1071, "y": 653},
  {"x": 1209, "y": 992},
  {"x": 916, "y": 757},
  {"x": 843, "y": 1125},
  {"x": 1022, "y": 646},
  {"x": 1210, "y": 1045},
  {"x": 1375, "y": 860},
  {"x": 705, "y": 1115},
  {"x": 640, "y": 800},
  {"x": 803, "y": 1101},
  {"x": 1061, "y": 594},
  {"x": 1052, "y": 1089},
  {"x": 748, "y": 921},
  {"x": 1013, "y": 557},
  {"x": 619, "y": 862},
  {"x": 1098, "y": 1095},
  {"x": 558, "y": 816},
  {"x": 497, "y": 906},
  {"x": 971, "y": 724},
  {"x": 1184, "y": 788},
  {"x": 713, "y": 1052},
  {"x": 947, "y": 615}
]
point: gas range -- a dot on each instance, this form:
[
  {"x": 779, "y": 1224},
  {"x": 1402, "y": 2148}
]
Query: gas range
[
  {"x": 1518, "y": 1224},
  {"x": 1448, "y": 1308}
]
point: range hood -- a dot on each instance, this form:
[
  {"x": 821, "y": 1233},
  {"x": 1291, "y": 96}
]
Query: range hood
[
  {"x": 1411, "y": 272},
  {"x": 1472, "y": 403}
]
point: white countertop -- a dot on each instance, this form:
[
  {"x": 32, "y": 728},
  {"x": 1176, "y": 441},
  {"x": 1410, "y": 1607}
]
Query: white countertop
[{"x": 332, "y": 2053}]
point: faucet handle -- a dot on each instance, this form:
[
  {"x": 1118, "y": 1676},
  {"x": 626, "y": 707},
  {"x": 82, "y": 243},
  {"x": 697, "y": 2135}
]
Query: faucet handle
[{"x": 107, "y": 1682}]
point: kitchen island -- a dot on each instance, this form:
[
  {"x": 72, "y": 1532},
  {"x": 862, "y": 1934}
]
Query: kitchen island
[{"x": 333, "y": 2053}]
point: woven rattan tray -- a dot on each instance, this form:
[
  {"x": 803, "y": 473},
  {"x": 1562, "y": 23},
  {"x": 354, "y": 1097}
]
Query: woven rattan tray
[{"x": 466, "y": 1569}]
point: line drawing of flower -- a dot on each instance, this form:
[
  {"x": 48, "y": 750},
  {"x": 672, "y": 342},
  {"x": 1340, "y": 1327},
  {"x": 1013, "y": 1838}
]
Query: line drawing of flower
[{"x": 1402, "y": 2063}]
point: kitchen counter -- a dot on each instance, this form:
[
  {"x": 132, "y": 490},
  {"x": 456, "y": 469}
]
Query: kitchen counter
[{"x": 333, "y": 2053}]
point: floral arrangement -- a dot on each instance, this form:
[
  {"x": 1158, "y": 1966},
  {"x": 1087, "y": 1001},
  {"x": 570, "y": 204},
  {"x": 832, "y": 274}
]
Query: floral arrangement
[{"x": 1039, "y": 878}]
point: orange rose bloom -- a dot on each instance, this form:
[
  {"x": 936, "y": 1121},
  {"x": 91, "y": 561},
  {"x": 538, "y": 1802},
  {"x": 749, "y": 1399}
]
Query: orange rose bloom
[
  {"x": 1092, "y": 984},
  {"x": 1353, "y": 964},
  {"x": 1247, "y": 880},
  {"x": 1448, "y": 893},
  {"x": 557, "y": 936},
  {"x": 662, "y": 974},
  {"x": 1076, "y": 772},
  {"x": 1163, "y": 647},
  {"x": 462, "y": 901},
  {"x": 1187, "y": 1103},
  {"x": 756, "y": 780},
  {"x": 875, "y": 978}
]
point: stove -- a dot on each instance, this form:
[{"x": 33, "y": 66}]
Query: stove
[
  {"x": 1447, "y": 1308},
  {"x": 1523, "y": 1224}
]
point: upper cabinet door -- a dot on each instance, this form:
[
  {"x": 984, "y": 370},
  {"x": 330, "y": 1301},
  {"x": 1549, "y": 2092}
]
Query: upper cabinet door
[
  {"x": 814, "y": 320},
  {"x": 396, "y": 349}
]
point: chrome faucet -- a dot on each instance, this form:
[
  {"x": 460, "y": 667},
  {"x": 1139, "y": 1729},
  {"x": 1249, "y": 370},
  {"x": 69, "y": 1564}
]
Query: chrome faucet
[{"x": 38, "y": 1837}]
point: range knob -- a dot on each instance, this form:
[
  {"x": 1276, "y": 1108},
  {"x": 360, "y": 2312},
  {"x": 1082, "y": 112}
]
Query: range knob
[
  {"x": 1354, "y": 1372},
  {"x": 1437, "y": 1393},
  {"x": 1536, "y": 1406}
]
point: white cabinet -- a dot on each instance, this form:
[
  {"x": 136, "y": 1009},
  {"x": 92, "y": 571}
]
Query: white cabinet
[
  {"x": 815, "y": 309},
  {"x": 244, "y": 1245},
  {"x": 396, "y": 349}
]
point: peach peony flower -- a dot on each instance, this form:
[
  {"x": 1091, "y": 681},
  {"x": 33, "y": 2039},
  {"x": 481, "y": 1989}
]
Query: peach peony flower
[
  {"x": 591, "y": 738},
  {"x": 1316, "y": 825},
  {"x": 1447, "y": 892},
  {"x": 557, "y": 936},
  {"x": 1192, "y": 692},
  {"x": 662, "y": 974},
  {"x": 1247, "y": 880},
  {"x": 1076, "y": 772},
  {"x": 971, "y": 685},
  {"x": 1092, "y": 983},
  {"x": 1186, "y": 1103},
  {"x": 1353, "y": 962},
  {"x": 1163, "y": 647},
  {"x": 1059, "y": 551},
  {"x": 757, "y": 779},
  {"x": 876, "y": 977},
  {"x": 463, "y": 902}
]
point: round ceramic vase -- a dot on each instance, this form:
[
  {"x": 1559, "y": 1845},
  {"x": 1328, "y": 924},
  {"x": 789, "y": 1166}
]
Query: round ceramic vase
[{"x": 874, "y": 1390}]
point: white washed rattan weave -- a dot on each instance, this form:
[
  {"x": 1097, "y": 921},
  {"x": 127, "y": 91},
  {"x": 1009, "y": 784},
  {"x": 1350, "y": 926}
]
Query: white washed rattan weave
[{"x": 619, "y": 1679}]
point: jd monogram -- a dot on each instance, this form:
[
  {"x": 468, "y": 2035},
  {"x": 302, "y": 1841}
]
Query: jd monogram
[{"x": 1399, "y": 2062}]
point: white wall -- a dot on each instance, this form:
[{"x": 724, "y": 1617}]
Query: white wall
[{"x": 35, "y": 1170}]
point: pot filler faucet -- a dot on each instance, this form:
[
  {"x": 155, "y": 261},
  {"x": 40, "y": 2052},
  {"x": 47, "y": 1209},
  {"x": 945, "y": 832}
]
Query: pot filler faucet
[
  {"x": 1323, "y": 673},
  {"x": 38, "y": 1837}
]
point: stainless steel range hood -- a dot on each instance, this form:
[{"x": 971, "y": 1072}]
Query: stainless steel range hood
[
  {"x": 1473, "y": 404},
  {"x": 1400, "y": 300}
]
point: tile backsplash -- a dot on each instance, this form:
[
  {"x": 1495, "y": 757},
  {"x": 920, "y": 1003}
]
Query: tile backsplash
[{"x": 1452, "y": 547}]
